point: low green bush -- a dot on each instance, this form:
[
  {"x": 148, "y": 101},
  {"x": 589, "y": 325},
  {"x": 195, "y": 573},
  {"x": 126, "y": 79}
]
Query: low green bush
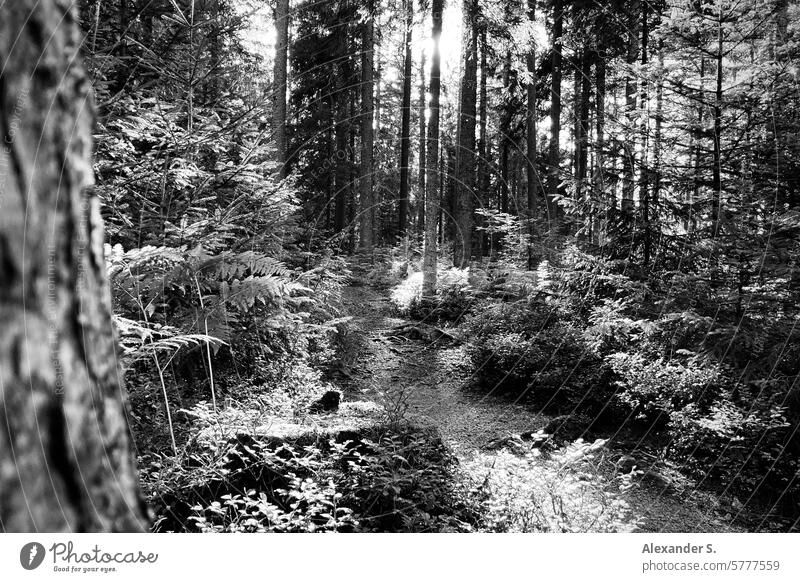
[
  {"x": 741, "y": 449},
  {"x": 653, "y": 388},
  {"x": 566, "y": 492},
  {"x": 527, "y": 348},
  {"x": 456, "y": 296},
  {"x": 378, "y": 479}
]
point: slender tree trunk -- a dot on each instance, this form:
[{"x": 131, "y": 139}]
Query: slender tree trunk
[
  {"x": 657, "y": 137},
  {"x": 554, "y": 173},
  {"x": 446, "y": 167},
  {"x": 354, "y": 170},
  {"x": 422, "y": 144},
  {"x": 449, "y": 192},
  {"x": 429, "y": 264},
  {"x": 330, "y": 140},
  {"x": 505, "y": 130},
  {"x": 367, "y": 120},
  {"x": 781, "y": 123},
  {"x": 465, "y": 152},
  {"x": 279, "y": 83},
  {"x": 696, "y": 146},
  {"x": 483, "y": 162},
  {"x": 644, "y": 175},
  {"x": 577, "y": 140},
  {"x": 343, "y": 154},
  {"x": 530, "y": 134},
  {"x": 190, "y": 78},
  {"x": 583, "y": 121},
  {"x": 716, "y": 185},
  {"x": 600, "y": 143},
  {"x": 516, "y": 206},
  {"x": 629, "y": 144},
  {"x": 66, "y": 463},
  {"x": 405, "y": 130}
]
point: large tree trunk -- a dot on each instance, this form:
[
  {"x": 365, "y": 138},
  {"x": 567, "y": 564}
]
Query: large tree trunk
[
  {"x": 367, "y": 137},
  {"x": 483, "y": 162},
  {"x": 405, "y": 129},
  {"x": 429, "y": 262},
  {"x": 65, "y": 458},
  {"x": 465, "y": 147},
  {"x": 279, "y": 83},
  {"x": 341, "y": 123},
  {"x": 422, "y": 139},
  {"x": 553, "y": 177}
]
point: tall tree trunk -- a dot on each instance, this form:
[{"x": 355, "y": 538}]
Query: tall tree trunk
[
  {"x": 448, "y": 193},
  {"x": 516, "y": 206},
  {"x": 465, "y": 147},
  {"x": 405, "y": 130},
  {"x": 629, "y": 143},
  {"x": 330, "y": 139},
  {"x": 554, "y": 173},
  {"x": 279, "y": 83},
  {"x": 583, "y": 121},
  {"x": 483, "y": 162},
  {"x": 367, "y": 120},
  {"x": 343, "y": 153},
  {"x": 600, "y": 143},
  {"x": 66, "y": 463},
  {"x": 505, "y": 130},
  {"x": 780, "y": 122},
  {"x": 644, "y": 175},
  {"x": 657, "y": 137},
  {"x": 576, "y": 115},
  {"x": 354, "y": 170},
  {"x": 446, "y": 168},
  {"x": 530, "y": 155},
  {"x": 422, "y": 144},
  {"x": 694, "y": 195},
  {"x": 716, "y": 184},
  {"x": 429, "y": 261}
]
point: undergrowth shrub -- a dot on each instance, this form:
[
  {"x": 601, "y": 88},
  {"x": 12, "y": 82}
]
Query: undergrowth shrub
[
  {"x": 379, "y": 478},
  {"x": 741, "y": 449},
  {"x": 528, "y": 348},
  {"x": 565, "y": 493},
  {"x": 457, "y": 291},
  {"x": 654, "y": 388}
]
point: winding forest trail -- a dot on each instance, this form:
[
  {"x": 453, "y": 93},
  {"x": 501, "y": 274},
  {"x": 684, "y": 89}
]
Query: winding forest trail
[
  {"x": 429, "y": 384},
  {"x": 426, "y": 380}
]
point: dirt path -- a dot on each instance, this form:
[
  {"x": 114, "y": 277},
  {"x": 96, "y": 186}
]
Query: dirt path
[
  {"x": 427, "y": 380},
  {"x": 428, "y": 384}
]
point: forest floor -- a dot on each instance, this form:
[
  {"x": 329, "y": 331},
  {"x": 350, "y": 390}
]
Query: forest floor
[{"x": 430, "y": 384}]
